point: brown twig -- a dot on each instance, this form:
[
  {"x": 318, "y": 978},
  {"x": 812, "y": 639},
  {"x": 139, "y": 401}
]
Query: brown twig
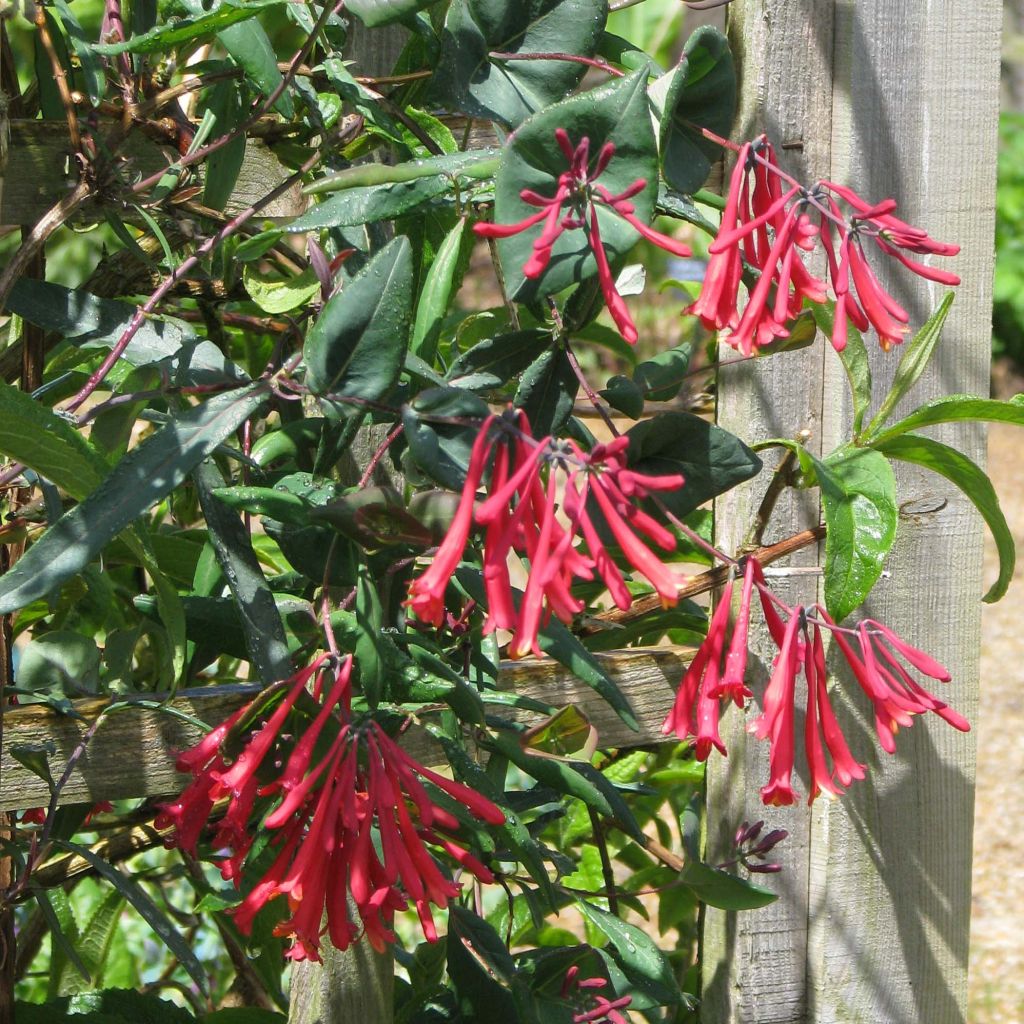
[
  {"x": 70, "y": 112},
  {"x": 702, "y": 583}
]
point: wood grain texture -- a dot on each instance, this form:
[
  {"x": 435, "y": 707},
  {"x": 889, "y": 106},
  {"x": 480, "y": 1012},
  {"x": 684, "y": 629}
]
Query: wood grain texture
[
  {"x": 754, "y": 961},
  {"x": 38, "y": 172},
  {"x": 130, "y": 752},
  {"x": 901, "y": 100},
  {"x": 915, "y": 111}
]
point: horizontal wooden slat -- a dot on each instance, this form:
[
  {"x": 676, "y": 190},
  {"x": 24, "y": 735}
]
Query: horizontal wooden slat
[
  {"x": 39, "y": 172},
  {"x": 130, "y": 754}
]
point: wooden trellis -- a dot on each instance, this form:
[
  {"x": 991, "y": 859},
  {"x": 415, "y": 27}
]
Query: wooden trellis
[{"x": 894, "y": 99}]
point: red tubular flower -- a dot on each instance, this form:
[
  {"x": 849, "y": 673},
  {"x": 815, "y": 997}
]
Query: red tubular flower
[
  {"x": 697, "y": 706},
  {"x": 522, "y": 515},
  {"x": 766, "y": 227},
  {"x": 574, "y": 205},
  {"x": 883, "y": 668},
  {"x": 426, "y": 595},
  {"x": 323, "y": 812}
]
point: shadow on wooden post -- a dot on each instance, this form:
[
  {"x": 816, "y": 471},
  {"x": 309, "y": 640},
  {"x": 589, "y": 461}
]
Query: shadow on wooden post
[{"x": 893, "y": 100}]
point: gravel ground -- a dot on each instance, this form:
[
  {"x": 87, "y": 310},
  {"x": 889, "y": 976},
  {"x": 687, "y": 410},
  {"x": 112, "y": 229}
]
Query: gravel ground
[{"x": 996, "y": 991}]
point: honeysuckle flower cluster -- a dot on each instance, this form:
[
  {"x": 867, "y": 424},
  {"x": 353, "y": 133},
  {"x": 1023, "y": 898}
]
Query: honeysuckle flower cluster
[
  {"x": 591, "y": 1006},
  {"x": 350, "y": 814},
  {"x": 767, "y": 227},
  {"x": 544, "y": 519},
  {"x": 879, "y": 665},
  {"x": 574, "y": 206}
]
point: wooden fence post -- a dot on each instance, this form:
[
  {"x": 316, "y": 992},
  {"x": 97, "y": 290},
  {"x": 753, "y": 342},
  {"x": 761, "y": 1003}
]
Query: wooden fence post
[
  {"x": 894, "y": 100},
  {"x": 356, "y": 985}
]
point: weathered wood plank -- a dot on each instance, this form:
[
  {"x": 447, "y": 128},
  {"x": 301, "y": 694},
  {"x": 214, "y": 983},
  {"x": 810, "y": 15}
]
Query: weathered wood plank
[
  {"x": 915, "y": 116},
  {"x": 39, "y": 172},
  {"x": 753, "y": 966},
  {"x": 873, "y": 924},
  {"x": 130, "y": 753}
]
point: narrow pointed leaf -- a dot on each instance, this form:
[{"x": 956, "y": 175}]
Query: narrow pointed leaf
[
  {"x": 915, "y": 358},
  {"x": 139, "y": 480},
  {"x": 556, "y": 641},
  {"x": 437, "y": 293},
  {"x": 960, "y": 470},
  {"x": 147, "y": 909},
  {"x": 953, "y": 409},
  {"x": 257, "y": 609}
]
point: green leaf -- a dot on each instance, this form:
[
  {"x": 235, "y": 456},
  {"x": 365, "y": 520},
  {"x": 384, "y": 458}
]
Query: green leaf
[
  {"x": 383, "y": 12},
  {"x": 711, "y": 459},
  {"x": 480, "y": 968},
  {"x": 92, "y": 69},
  {"x": 915, "y": 358},
  {"x": 624, "y": 395},
  {"x": 91, "y": 322},
  {"x": 35, "y": 757},
  {"x": 280, "y": 294},
  {"x": 555, "y": 640},
  {"x": 858, "y": 491},
  {"x": 97, "y": 937},
  {"x": 368, "y": 193},
  {"x": 496, "y": 361},
  {"x": 854, "y": 358},
  {"x": 223, "y": 165},
  {"x": 146, "y": 908},
  {"x": 175, "y": 31},
  {"x": 249, "y": 47},
  {"x": 370, "y": 655},
  {"x": 474, "y": 164},
  {"x": 727, "y": 892},
  {"x": 965, "y": 474},
  {"x": 617, "y": 112},
  {"x": 437, "y": 294},
  {"x": 954, "y": 409},
  {"x": 139, "y": 480},
  {"x": 636, "y": 953},
  {"x": 547, "y": 392},
  {"x": 261, "y": 621},
  {"x": 108, "y": 1006},
  {"x": 663, "y": 375},
  {"x": 468, "y": 77},
  {"x": 699, "y": 93},
  {"x": 59, "y": 929},
  {"x": 571, "y": 778},
  {"x": 442, "y": 449},
  {"x": 34, "y": 435},
  {"x": 47, "y": 443},
  {"x": 288, "y": 508},
  {"x": 357, "y": 346}
]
